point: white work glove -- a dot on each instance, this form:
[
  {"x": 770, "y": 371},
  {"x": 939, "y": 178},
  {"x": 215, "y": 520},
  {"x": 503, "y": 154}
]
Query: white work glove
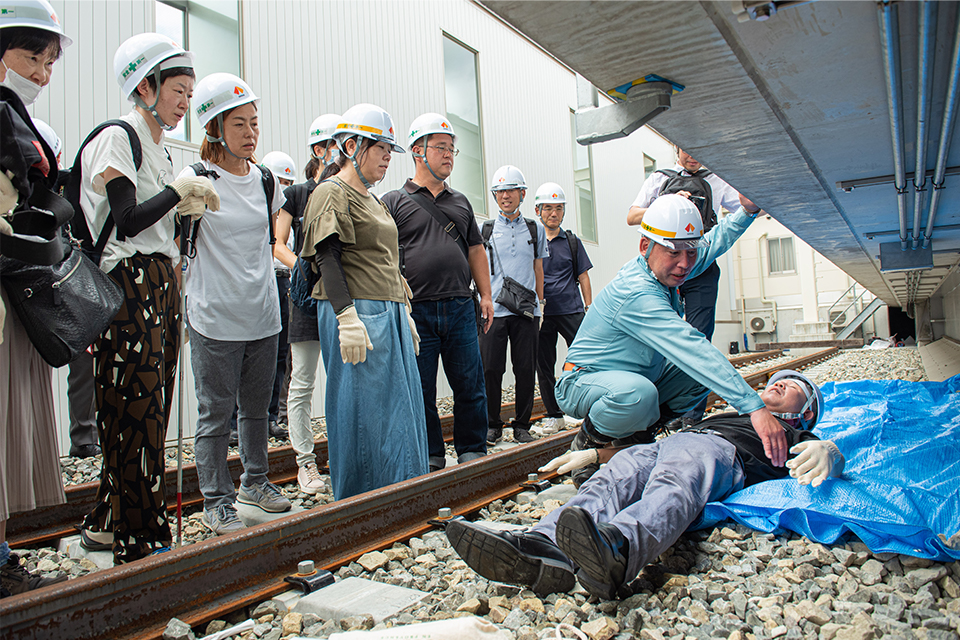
[
  {"x": 9, "y": 196},
  {"x": 571, "y": 461},
  {"x": 413, "y": 331},
  {"x": 197, "y": 186},
  {"x": 354, "y": 341},
  {"x": 5, "y": 228},
  {"x": 191, "y": 207},
  {"x": 815, "y": 461}
]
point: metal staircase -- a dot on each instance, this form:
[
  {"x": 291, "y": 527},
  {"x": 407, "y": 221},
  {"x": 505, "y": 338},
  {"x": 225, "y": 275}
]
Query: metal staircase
[{"x": 857, "y": 303}]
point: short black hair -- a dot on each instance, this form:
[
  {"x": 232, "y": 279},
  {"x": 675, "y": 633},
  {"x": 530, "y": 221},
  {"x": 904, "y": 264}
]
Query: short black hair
[
  {"x": 168, "y": 73},
  {"x": 36, "y": 41}
]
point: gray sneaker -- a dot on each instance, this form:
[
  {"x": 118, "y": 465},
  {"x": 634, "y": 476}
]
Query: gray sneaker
[
  {"x": 222, "y": 520},
  {"x": 266, "y": 496}
]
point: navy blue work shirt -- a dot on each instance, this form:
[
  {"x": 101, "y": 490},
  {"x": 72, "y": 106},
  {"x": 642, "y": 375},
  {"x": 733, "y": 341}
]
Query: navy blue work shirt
[{"x": 559, "y": 281}]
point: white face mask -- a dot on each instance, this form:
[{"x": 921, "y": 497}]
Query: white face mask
[{"x": 26, "y": 89}]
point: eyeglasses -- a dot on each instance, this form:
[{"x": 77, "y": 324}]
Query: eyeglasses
[{"x": 445, "y": 150}]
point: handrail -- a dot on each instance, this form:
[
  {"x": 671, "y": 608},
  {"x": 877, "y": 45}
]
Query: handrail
[{"x": 856, "y": 298}]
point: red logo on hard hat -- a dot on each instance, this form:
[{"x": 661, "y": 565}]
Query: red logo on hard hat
[
  {"x": 238, "y": 91},
  {"x": 689, "y": 228},
  {"x": 443, "y": 124},
  {"x": 553, "y": 195}
]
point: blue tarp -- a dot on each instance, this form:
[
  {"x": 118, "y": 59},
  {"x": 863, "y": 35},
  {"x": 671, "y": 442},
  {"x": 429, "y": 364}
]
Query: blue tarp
[{"x": 901, "y": 484}]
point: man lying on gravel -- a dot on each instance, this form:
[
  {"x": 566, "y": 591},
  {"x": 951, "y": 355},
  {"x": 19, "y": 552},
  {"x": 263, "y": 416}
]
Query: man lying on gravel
[{"x": 638, "y": 504}]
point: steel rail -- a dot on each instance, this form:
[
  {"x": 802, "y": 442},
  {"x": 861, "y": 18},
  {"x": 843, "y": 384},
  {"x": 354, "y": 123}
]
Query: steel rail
[
  {"x": 762, "y": 376},
  {"x": 45, "y": 525},
  {"x": 196, "y": 582}
]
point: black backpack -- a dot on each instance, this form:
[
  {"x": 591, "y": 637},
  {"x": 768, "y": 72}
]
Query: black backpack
[
  {"x": 573, "y": 241},
  {"x": 487, "y": 230},
  {"x": 79, "y": 228},
  {"x": 189, "y": 247},
  {"x": 699, "y": 188}
]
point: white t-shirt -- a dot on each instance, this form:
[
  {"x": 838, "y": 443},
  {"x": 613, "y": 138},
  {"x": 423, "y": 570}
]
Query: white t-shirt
[
  {"x": 723, "y": 194},
  {"x": 230, "y": 285},
  {"x": 111, "y": 149}
]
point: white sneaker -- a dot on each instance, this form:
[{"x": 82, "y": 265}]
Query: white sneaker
[
  {"x": 308, "y": 477},
  {"x": 549, "y": 426}
]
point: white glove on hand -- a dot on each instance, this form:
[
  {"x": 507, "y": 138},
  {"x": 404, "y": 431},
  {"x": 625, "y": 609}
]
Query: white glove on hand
[
  {"x": 571, "y": 461},
  {"x": 9, "y": 196},
  {"x": 815, "y": 461},
  {"x": 191, "y": 207},
  {"x": 354, "y": 341},
  {"x": 196, "y": 186},
  {"x": 413, "y": 330},
  {"x": 5, "y": 228}
]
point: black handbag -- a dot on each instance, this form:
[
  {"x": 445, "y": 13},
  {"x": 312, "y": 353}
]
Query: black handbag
[
  {"x": 517, "y": 298},
  {"x": 63, "y": 307}
]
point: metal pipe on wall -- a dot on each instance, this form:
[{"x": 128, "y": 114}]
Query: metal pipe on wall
[
  {"x": 946, "y": 133},
  {"x": 890, "y": 43},
  {"x": 927, "y": 39}
]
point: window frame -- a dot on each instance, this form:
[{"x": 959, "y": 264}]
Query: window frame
[
  {"x": 585, "y": 174},
  {"x": 482, "y": 211},
  {"x": 780, "y": 256}
]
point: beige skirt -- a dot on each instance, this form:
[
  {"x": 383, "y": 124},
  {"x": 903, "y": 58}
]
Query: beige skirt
[{"x": 29, "y": 455}]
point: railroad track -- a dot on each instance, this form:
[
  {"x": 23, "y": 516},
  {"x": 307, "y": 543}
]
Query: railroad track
[{"x": 206, "y": 580}]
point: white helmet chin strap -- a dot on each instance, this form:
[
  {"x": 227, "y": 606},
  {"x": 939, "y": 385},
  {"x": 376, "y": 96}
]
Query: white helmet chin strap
[
  {"x": 152, "y": 109},
  {"x": 213, "y": 140},
  {"x": 806, "y": 405},
  {"x": 353, "y": 159},
  {"x": 423, "y": 156}
]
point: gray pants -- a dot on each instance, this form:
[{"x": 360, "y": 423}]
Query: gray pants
[
  {"x": 231, "y": 374},
  {"x": 81, "y": 400},
  {"x": 653, "y": 492}
]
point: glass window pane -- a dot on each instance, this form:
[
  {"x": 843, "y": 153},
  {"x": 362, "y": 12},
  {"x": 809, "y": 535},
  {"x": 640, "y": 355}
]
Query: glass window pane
[
  {"x": 773, "y": 251},
  {"x": 170, "y": 22},
  {"x": 588, "y": 220},
  {"x": 649, "y": 166},
  {"x": 786, "y": 252},
  {"x": 462, "y": 91},
  {"x": 213, "y": 35}
]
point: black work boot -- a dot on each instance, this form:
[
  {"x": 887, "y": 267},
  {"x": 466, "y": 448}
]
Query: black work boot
[
  {"x": 598, "y": 549},
  {"x": 515, "y": 557},
  {"x": 587, "y": 438},
  {"x": 15, "y": 578}
]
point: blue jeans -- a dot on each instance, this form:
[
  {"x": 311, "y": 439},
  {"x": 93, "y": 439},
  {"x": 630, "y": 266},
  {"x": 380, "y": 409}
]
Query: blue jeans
[
  {"x": 448, "y": 329},
  {"x": 231, "y": 374},
  {"x": 374, "y": 409}
]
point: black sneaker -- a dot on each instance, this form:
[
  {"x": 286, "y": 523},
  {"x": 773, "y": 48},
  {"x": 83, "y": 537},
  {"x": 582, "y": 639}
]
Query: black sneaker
[
  {"x": 522, "y": 436},
  {"x": 494, "y": 435},
  {"x": 234, "y": 438},
  {"x": 15, "y": 579},
  {"x": 84, "y": 451},
  {"x": 276, "y": 431}
]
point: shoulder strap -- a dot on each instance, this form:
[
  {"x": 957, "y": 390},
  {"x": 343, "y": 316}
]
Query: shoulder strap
[
  {"x": 72, "y": 190},
  {"x": 532, "y": 228},
  {"x": 573, "y": 241},
  {"x": 670, "y": 173},
  {"x": 485, "y": 232},
  {"x": 441, "y": 218},
  {"x": 269, "y": 188}
]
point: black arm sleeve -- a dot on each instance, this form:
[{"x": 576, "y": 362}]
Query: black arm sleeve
[
  {"x": 132, "y": 218},
  {"x": 331, "y": 271}
]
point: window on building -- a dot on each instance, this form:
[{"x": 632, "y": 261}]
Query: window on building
[
  {"x": 583, "y": 186},
  {"x": 462, "y": 87},
  {"x": 649, "y": 166},
  {"x": 211, "y": 30},
  {"x": 781, "y": 255}
]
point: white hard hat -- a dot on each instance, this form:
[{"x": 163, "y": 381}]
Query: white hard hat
[
  {"x": 49, "y": 136},
  {"x": 220, "y": 92},
  {"x": 427, "y": 124},
  {"x": 814, "y": 397},
  {"x": 507, "y": 177},
  {"x": 549, "y": 192},
  {"x": 36, "y": 14},
  {"x": 143, "y": 53},
  {"x": 674, "y": 222},
  {"x": 323, "y": 128},
  {"x": 368, "y": 121},
  {"x": 280, "y": 164}
]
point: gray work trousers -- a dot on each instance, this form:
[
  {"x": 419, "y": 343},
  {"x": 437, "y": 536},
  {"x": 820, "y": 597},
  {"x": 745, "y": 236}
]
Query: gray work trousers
[
  {"x": 81, "y": 400},
  {"x": 231, "y": 374},
  {"x": 653, "y": 492}
]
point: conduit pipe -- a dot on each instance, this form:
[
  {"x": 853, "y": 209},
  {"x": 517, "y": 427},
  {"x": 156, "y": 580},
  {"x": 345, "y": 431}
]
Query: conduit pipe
[
  {"x": 946, "y": 133},
  {"x": 890, "y": 42},
  {"x": 925, "y": 54},
  {"x": 763, "y": 292}
]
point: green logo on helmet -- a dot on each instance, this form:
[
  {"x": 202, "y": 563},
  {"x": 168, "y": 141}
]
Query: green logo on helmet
[
  {"x": 133, "y": 66},
  {"x": 204, "y": 107}
]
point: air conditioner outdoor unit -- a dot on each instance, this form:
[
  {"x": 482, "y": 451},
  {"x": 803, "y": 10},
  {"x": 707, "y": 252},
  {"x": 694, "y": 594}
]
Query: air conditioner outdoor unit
[{"x": 761, "y": 322}]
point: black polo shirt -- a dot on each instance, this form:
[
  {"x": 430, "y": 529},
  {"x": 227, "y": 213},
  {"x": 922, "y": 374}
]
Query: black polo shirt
[
  {"x": 436, "y": 267},
  {"x": 738, "y": 431}
]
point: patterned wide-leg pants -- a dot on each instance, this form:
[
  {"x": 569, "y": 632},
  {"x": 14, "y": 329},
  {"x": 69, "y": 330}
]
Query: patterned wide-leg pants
[{"x": 136, "y": 363}]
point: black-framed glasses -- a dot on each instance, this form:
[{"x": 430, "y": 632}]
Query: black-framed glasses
[{"x": 445, "y": 150}]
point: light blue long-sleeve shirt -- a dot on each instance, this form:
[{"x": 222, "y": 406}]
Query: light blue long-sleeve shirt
[{"x": 635, "y": 324}]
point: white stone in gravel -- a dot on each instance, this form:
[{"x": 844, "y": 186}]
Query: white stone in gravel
[
  {"x": 919, "y": 577},
  {"x": 373, "y": 560},
  {"x": 178, "y": 630},
  {"x": 356, "y": 596},
  {"x": 602, "y": 628}
]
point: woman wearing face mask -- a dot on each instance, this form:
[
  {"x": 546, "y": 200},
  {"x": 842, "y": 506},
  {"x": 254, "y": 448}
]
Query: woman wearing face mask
[
  {"x": 131, "y": 212},
  {"x": 375, "y": 422},
  {"x": 232, "y": 311},
  {"x": 31, "y": 41}
]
